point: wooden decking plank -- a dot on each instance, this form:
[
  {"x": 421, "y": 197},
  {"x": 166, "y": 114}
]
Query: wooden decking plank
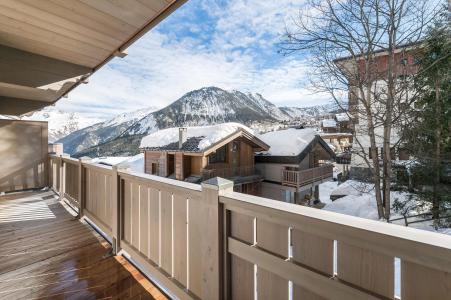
[{"x": 62, "y": 258}]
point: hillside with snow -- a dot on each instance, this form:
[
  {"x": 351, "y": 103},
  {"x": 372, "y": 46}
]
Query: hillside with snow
[
  {"x": 60, "y": 123},
  {"x": 211, "y": 105},
  {"x": 102, "y": 132}
]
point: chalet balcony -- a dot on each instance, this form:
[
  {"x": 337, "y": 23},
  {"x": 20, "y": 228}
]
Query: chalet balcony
[
  {"x": 202, "y": 242},
  {"x": 298, "y": 179},
  {"x": 229, "y": 172}
]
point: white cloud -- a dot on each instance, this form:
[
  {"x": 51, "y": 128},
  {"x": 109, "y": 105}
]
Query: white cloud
[{"x": 160, "y": 68}]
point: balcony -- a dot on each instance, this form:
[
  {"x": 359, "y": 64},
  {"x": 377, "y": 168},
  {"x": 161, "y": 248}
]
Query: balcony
[
  {"x": 48, "y": 254},
  {"x": 206, "y": 241},
  {"x": 305, "y": 177},
  {"x": 229, "y": 172}
]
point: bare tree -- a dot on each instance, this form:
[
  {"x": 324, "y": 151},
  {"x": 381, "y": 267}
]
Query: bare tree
[{"x": 343, "y": 41}]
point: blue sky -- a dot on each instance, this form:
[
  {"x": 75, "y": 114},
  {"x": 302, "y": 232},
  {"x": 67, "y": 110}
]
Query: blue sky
[{"x": 231, "y": 44}]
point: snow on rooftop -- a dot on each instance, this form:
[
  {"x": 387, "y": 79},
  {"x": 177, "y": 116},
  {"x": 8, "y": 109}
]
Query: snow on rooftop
[
  {"x": 134, "y": 163},
  {"x": 110, "y": 160},
  {"x": 288, "y": 142},
  {"x": 329, "y": 123},
  {"x": 342, "y": 117},
  {"x": 211, "y": 135}
]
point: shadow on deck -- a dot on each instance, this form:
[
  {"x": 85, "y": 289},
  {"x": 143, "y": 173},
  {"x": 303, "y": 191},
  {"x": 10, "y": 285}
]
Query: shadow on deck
[{"x": 46, "y": 253}]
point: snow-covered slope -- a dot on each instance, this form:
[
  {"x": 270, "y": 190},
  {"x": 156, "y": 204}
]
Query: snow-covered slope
[
  {"x": 210, "y": 105},
  {"x": 102, "y": 132},
  {"x": 60, "y": 123}
]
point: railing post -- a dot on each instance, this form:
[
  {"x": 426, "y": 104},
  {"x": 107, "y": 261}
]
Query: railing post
[
  {"x": 212, "y": 242},
  {"x": 81, "y": 185},
  {"x": 116, "y": 198},
  {"x": 61, "y": 178}
]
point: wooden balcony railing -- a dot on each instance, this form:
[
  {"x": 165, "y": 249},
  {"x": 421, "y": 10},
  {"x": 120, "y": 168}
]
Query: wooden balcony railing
[
  {"x": 229, "y": 172},
  {"x": 304, "y": 177},
  {"x": 206, "y": 241}
]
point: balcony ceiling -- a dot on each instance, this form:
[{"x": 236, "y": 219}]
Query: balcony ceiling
[{"x": 48, "y": 47}]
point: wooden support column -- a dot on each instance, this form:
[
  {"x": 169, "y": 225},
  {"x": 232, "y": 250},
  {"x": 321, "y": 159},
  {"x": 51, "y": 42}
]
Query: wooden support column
[
  {"x": 82, "y": 185},
  {"x": 179, "y": 171},
  {"x": 116, "y": 198},
  {"x": 61, "y": 178},
  {"x": 212, "y": 244}
]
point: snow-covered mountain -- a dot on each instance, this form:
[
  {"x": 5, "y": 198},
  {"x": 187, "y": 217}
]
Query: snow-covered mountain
[
  {"x": 102, "y": 132},
  {"x": 60, "y": 123},
  {"x": 206, "y": 106},
  {"x": 210, "y": 105}
]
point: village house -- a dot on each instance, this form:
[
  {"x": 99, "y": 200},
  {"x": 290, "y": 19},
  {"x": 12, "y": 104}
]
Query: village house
[
  {"x": 340, "y": 122},
  {"x": 338, "y": 141},
  {"x": 329, "y": 125},
  {"x": 294, "y": 165},
  {"x": 195, "y": 154},
  {"x": 406, "y": 65}
]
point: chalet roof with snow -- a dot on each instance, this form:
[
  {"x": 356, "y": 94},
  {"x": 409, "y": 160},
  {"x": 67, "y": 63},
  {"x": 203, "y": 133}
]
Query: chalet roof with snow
[
  {"x": 329, "y": 123},
  {"x": 342, "y": 117},
  {"x": 200, "y": 139},
  {"x": 290, "y": 145}
]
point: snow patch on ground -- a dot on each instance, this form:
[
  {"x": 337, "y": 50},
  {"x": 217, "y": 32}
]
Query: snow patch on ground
[{"x": 360, "y": 202}]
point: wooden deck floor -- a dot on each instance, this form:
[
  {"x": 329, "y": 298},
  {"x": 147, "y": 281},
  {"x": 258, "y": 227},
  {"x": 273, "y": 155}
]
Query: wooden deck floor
[{"x": 46, "y": 254}]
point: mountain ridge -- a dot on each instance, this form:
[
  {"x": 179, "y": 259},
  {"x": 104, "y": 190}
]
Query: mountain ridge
[{"x": 208, "y": 105}]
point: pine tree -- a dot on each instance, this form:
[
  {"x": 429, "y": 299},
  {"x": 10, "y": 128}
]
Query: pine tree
[{"x": 427, "y": 136}]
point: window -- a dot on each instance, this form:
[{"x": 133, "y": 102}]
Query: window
[
  {"x": 220, "y": 156},
  {"x": 235, "y": 146},
  {"x": 404, "y": 62}
]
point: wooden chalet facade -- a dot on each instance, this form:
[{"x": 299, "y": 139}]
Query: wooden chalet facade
[
  {"x": 230, "y": 157},
  {"x": 294, "y": 177}
]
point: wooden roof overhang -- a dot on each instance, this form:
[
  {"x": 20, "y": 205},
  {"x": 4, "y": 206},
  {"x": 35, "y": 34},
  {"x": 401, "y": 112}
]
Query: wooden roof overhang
[{"x": 49, "y": 47}]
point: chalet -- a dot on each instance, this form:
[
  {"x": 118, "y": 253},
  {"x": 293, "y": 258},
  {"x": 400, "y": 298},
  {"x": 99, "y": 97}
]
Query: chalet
[
  {"x": 195, "y": 154},
  {"x": 329, "y": 125},
  {"x": 344, "y": 123},
  {"x": 341, "y": 141},
  {"x": 294, "y": 166}
]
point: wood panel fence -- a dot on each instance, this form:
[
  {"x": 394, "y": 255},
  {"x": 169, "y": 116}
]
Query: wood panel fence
[{"x": 208, "y": 242}]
